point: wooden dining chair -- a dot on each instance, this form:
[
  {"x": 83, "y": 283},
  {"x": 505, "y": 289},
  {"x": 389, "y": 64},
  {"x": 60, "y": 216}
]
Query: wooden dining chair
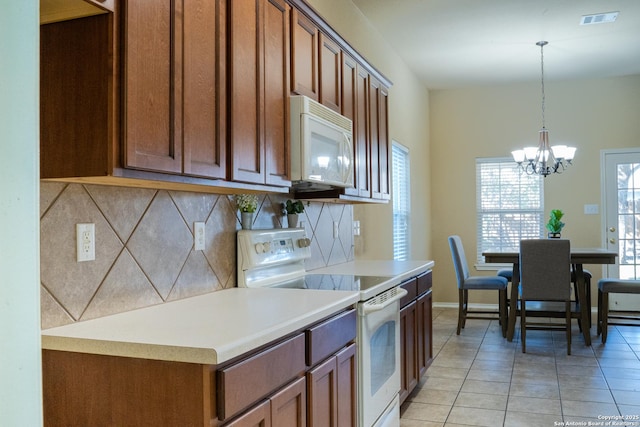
[
  {"x": 466, "y": 282},
  {"x": 545, "y": 286}
]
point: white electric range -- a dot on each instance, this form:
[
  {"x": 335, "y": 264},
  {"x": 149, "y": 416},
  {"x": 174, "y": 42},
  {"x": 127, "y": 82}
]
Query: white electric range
[{"x": 275, "y": 258}]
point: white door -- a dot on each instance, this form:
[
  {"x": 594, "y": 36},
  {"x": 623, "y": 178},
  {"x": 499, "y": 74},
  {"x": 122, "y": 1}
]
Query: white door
[{"x": 621, "y": 219}]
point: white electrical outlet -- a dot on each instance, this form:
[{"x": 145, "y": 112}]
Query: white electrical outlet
[
  {"x": 85, "y": 242},
  {"x": 198, "y": 236},
  {"x": 356, "y": 228}
]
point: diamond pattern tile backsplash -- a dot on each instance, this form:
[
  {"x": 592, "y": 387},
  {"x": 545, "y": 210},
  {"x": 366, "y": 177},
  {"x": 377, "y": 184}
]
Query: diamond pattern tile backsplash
[{"x": 144, "y": 246}]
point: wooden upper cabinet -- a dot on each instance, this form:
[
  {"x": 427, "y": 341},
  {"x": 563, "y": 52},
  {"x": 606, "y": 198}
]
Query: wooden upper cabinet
[
  {"x": 330, "y": 73},
  {"x": 379, "y": 138},
  {"x": 348, "y": 84},
  {"x": 150, "y": 86},
  {"x": 77, "y": 101},
  {"x": 173, "y": 86},
  {"x": 203, "y": 93},
  {"x": 304, "y": 56},
  {"x": 362, "y": 135},
  {"x": 384, "y": 145},
  {"x": 258, "y": 76},
  {"x": 277, "y": 43}
]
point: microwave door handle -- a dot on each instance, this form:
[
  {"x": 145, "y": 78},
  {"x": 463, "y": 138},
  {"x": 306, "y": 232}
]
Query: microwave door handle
[{"x": 349, "y": 146}]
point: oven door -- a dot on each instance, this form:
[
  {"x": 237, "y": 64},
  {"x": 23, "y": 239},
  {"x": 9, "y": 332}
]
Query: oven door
[{"x": 379, "y": 356}]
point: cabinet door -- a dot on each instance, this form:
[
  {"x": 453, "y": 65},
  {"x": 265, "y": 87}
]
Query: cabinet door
[
  {"x": 304, "y": 56},
  {"x": 348, "y": 81},
  {"x": 258, "y": 74},
  {"x": 260, "y": 416},
  {"x": 362, "y": 135},
  {"x": 408, "y": 351},
  {"x": 330, "y": 66},
  {"x": 150, "y": 122},
  {"x": 322, "y": 386},
  {"x": 276, "y": 92},
  {"x": 424, "y": 332},
  {"x": 203, "y": 93},
  {"x": 245, "y": 95},
  {"x": 384, "y": 185},
  {"x": 347, "y": 386},
  {"x": 289, "y": 405},
  {"x": 378, "y": 129}
]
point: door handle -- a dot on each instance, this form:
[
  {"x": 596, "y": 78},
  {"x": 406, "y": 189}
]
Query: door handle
[{"x": 612, "y": 229}]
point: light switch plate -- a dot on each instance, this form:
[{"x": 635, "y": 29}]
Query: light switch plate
[
  {"x": 198, "y": 236},
  {"x": 591, "y": 209}
]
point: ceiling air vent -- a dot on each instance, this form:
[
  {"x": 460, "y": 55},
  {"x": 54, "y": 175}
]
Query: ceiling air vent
[{"x": 599, "y": 18}]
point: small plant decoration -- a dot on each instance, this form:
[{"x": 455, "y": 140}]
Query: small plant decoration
[
  {"x": 294, "y": 207},
  {"x": 555, "y": 225},
  {"x": 247, "y": 202}
]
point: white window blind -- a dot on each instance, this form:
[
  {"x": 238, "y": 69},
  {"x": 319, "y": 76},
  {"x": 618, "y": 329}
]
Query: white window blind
[
  {"x": 401, "y": 196},
  {"x": 509, "y": 206}
]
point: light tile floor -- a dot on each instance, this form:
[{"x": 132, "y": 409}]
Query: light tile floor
[{"x": 479, "y": 378}]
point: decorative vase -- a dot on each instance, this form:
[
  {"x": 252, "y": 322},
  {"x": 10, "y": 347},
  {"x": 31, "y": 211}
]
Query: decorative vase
[
  {"x": 553, "y": 235},
  {"x": 246, "y": 220},
  {"x": 292, "y": 219}
]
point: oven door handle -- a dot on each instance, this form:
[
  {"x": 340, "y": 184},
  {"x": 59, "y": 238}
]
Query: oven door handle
[{"x": 384, "y": 300}]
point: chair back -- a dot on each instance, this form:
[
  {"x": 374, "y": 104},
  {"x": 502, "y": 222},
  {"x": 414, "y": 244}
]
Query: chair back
[
  {"x": 545, "y": 269},
  {"x": 459, "y": 260}
]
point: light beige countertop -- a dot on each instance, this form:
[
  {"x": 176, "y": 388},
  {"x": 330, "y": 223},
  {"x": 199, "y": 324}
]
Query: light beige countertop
[
  {"x": 210, "y": 329},
  {"x": 400, "y": 270}
]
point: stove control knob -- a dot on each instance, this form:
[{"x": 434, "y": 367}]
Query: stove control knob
[
  {"x": 259, "y": 248},
  {"x": 304, "y": 243},
  {"x": 267, "y": 246}
]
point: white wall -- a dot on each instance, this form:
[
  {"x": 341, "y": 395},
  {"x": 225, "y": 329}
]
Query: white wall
[{"x": 20, "y": 362}]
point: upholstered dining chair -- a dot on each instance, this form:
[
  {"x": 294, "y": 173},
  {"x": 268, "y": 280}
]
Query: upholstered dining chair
[
  {"x": 615, "y": 286},
  {"x": 507, "y": 273},
  {"x": 466, "y": 282},
  {"x": 545, "y": 286}
]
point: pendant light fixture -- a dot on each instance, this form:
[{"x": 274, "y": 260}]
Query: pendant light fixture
[{"x": 543, "y": 159}]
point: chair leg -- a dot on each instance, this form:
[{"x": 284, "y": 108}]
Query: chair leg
[
  {"x": 605, "y": 316},
  {"x": 466, "y": 307},
  {"x": 502, "y": 295},
  {"x": 599, "y": 318},
  {"x": 461, "y": 312},
  {"x": 523, "y": 326},
  {"x": 568, "y": 319}
]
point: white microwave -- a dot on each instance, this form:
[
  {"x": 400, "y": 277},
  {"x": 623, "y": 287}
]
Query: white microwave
[{"x": 321, "y": 146}]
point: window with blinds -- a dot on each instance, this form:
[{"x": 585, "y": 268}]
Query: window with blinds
[
  {"x": 400, "y": 174},
  {"x": 509, "y": 206}
]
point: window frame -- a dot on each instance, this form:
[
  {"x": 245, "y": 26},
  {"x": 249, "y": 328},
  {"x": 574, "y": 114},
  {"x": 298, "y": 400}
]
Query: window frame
[
  {"x": 401, "y": 201},
  {"x": 481, "y": 212}
]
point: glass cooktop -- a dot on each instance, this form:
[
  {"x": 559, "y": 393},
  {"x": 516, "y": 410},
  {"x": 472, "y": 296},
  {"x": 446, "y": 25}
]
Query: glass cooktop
[{"x": 335, "y": 282}]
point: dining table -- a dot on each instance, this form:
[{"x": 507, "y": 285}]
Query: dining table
[{"x": 579, "y": 257}]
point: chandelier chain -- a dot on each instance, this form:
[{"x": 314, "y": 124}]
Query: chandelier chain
[{"x": 541, "y": 44}]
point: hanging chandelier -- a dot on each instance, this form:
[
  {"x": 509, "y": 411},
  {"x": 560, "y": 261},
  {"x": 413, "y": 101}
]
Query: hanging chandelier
[{"x": 543, "y": 159}]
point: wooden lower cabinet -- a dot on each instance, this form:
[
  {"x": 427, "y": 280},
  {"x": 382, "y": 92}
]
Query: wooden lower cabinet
[
  {"x": 416, "y": 332},
  {"x": 409, "y": 346},
  {"x": 333, "y": 390},
  {"x": 274, "y": 386},
  {"x": 286, "y": 408}
]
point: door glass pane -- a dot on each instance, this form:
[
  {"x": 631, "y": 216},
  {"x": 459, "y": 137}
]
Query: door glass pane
[
  {"x": 628, "y": 182},
  {"x": 383, "y": 355}
]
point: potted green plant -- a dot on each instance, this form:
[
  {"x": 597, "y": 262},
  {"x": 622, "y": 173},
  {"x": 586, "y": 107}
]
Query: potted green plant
[
  {"x": 247, "y": 205},
  {"x": 293, "y": 208},
  {"x": 555, "y": 224}
]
